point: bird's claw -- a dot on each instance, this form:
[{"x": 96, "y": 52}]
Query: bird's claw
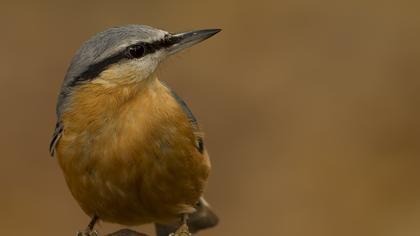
[
  {"x": 182, "y": 231},
  {"x": 87, "y": 233}
]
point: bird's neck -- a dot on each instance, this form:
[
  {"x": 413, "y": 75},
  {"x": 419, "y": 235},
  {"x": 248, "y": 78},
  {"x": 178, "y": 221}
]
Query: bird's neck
[{"x": 97, "y": 101}]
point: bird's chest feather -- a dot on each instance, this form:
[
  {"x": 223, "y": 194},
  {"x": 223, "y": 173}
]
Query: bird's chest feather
[{"x": 131, "y": 143}]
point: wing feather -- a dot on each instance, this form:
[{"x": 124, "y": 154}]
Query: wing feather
[
  {"x": 56, "y": 136},
  {"x": 192, "y": 119}
]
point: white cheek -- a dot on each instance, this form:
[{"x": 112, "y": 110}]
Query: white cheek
[
  {"x": 148, "y": 64},
  {"x": 133, "y": 70}
]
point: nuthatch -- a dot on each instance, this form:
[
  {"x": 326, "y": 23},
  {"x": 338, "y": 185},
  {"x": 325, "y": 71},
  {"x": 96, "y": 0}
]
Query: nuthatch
[{"x": 130, "y": 148}]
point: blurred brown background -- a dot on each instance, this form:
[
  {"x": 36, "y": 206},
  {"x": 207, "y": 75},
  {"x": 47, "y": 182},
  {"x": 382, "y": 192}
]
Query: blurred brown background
[{"x": 311, "y": 110}]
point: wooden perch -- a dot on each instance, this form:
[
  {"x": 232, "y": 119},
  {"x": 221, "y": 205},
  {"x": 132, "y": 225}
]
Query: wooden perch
[
  {"x": 182, "y": 231},
  {"x": 203, "y": 218},
  {"x": 126, "y": 232}
]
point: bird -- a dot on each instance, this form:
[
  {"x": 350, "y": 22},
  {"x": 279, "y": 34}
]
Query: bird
[{"x": 130, "y": 149}]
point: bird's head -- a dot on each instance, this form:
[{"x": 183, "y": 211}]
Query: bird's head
[{"x": 125, "y": 55}]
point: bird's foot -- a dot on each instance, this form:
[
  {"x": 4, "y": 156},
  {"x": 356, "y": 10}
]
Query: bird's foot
[
  {"x": 87, "y": 233},
  {"x": 182, "y": 231}
]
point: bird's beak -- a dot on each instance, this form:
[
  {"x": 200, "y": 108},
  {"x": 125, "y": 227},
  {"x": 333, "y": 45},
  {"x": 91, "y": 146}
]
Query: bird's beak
[{"x": 187, "y": 39}]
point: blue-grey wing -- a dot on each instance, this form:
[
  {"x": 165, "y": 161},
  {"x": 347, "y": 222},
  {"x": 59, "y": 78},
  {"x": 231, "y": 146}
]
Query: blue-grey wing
[
  {"x": 56, "y": 136},
  {"x": 192, "y": 120}
]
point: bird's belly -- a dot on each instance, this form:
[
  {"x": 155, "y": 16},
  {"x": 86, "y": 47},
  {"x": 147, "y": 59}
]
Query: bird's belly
[{"x": 133, "y": 173}]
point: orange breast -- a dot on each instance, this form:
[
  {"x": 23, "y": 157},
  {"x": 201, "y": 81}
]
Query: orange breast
[{"x": 128, "y": 153}]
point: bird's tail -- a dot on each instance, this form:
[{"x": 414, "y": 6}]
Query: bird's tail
[{"x": 203, "y": 218}]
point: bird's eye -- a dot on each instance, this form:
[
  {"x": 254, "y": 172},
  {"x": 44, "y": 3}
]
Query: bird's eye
[{"x": 136, "y": 51}]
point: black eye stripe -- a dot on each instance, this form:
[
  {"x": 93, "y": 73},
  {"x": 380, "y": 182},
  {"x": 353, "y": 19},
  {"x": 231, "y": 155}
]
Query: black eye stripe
[
  {"x": 157, "y": 45},
  {"x": 94, "y": 70}
]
